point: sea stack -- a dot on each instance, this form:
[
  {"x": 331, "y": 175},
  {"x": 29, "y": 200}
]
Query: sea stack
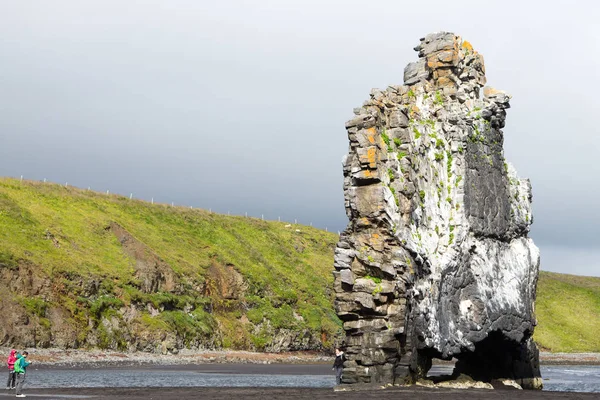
[{"x": 436, "y": 261}]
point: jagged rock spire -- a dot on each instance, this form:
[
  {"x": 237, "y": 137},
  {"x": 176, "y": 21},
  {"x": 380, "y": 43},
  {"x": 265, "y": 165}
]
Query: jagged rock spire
[{"x": 435, "y": 261}]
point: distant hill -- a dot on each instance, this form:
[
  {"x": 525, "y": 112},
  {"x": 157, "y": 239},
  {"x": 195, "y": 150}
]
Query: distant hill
[
  {"x": 568, "y": 312},
  {"x": 84, "y": 269}
]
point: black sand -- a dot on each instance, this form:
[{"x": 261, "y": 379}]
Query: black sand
[{"x": 295, "y": 393}]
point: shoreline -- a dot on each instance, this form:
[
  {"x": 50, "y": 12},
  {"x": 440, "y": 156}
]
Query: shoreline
[
  {"x": 99, "y": 358},
  {"x": 569, "y": 358}
]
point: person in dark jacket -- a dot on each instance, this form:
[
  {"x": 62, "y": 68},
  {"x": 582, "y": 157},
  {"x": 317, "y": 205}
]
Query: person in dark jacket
[
  {"x": 20, "y": 370},
  {"x": 338, "y": 365}
]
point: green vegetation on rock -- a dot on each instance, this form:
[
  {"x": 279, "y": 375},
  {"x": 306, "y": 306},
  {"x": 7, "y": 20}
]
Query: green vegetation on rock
[
  {"x": 386, "y": 140},
  {"x": 84, "y": 269}
]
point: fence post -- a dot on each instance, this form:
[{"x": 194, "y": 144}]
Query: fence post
[
  {"x": 152, "y": 201},
  {"x": 106, "y": 191},
  {"x": 67, "y": 184},
  {"x": 21, "y": 178},
  {"x": 130, "y": 196}
]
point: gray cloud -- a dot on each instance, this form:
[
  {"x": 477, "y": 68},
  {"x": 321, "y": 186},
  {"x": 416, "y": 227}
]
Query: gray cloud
[
  {"x": 575, "y": 261},
  {"x": 240, "y": 107}
]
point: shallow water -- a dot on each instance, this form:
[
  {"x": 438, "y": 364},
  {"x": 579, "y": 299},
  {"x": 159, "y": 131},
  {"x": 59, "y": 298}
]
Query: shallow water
[
  {"x": 556, "y": 378},
  {"x": 57, "y": 378},
  {"x": 572, "y": 378}
]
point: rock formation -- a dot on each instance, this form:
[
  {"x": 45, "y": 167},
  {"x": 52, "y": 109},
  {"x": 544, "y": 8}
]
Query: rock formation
[{"x": 435, "y": 261}]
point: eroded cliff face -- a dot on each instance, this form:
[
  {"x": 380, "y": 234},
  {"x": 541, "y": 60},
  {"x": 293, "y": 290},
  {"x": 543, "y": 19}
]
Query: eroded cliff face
[
  {"x": 157, "y": 309},
  {"x": 435, "y": 261}
]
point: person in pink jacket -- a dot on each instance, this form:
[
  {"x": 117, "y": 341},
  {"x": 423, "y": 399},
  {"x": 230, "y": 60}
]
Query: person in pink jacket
[{"x": 12, "y": 357}]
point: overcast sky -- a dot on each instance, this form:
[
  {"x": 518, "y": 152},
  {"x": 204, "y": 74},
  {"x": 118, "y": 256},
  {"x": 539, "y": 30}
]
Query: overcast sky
[{"x": 240, "y": 106}]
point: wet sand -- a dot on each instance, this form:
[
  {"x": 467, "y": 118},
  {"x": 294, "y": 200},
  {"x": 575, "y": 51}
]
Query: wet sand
[{"x": 293, "y": 393}]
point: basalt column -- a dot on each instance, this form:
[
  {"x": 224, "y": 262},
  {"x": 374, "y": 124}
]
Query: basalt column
[{"x": 436, "y": 261}]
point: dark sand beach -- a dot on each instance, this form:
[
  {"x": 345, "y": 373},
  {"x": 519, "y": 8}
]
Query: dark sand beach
[{"x": 294, "y": 393}]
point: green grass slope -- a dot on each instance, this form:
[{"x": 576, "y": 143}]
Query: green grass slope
[
  {"x": 64, "y": 269},
  {"x": 568, "y": 313}
]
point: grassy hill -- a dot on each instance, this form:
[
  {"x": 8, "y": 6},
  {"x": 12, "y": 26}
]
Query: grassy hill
[
  {"x": 80, "y": 268},
  {"x": 83, "y": 269},
  {"x": 568, "y": 312}
]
